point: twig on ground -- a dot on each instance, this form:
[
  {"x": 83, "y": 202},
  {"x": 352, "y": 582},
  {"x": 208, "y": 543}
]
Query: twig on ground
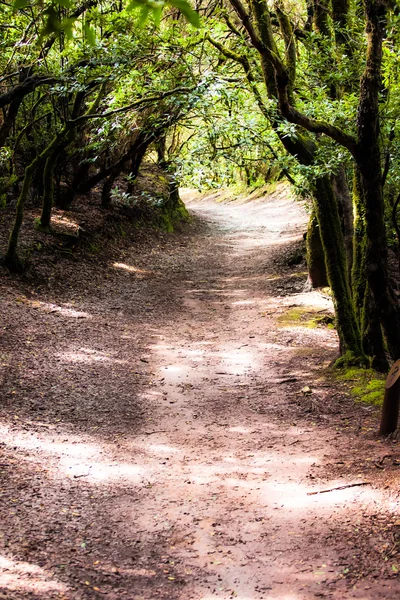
[{"x": 340, "y": 487}]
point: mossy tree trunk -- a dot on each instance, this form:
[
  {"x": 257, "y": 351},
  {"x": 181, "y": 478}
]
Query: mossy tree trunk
[
  {"x": 368, "y": 158},
  {"x": 358, "y": 274},
  {"x": 12, "y": 259},
  {"x": 316, "y": 267},
  {"x": 336, "y": 266},
  {"x": 48, "y": 173},
  {"x": 345, "y": 203},
  {"x": 364, "y": 304},
  {"x": 48, "y": 181}
]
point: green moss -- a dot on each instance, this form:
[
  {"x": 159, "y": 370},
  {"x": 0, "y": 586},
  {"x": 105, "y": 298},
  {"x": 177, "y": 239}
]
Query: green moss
[
  {"x": 365, "y": 385},
  {"x": 350, "y": 359},
  {"x": 169, "y": 217},
  {"x": 355, "y": 374},
  {"x": 40, "y": 227},
  {"x": 371, "y": 393},
  {"x": 304, "y": 317}
]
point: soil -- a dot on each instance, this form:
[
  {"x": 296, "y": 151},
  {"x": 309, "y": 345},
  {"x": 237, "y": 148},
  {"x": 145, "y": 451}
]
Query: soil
[{"x": 167, "y": 432}]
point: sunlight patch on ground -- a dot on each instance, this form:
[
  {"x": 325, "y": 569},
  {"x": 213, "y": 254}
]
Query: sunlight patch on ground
[
  {"x": 329, "y": 499},
  {"x": 29, "y": 441},
  {"x": 49, "y": 308},
  {"x": 28, "y": 578},
  {"x": 251, "y": 243},
  {"x": 224, "y": 292},
  {"x": 243, "y": 302},
  {"x": 240, "y": 361},
  {"x": 239, "y": 596},
  {"x": 313, "y": 300},
  {"x": 239, "y": 429},
  {"x": 102, "y": 472},
  {"x": 74, "y": 459},
  {"x": 163, "y": 448},
  {"x": 67, "y": 223},
  {"x": 87, "y": 355},
  {"x": 130, "y": 268},
  {"x": 173, "y": 369},
  {"x": 236, "y": 596}
]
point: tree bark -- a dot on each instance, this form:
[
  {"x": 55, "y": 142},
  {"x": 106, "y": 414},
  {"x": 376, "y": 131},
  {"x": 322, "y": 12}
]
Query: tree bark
[
  {"x": 317, "y": 275},
  {"x": 336, "y": 267},
  {"x": 342, "y": 193},
  {"x": 369, "y": 164}
]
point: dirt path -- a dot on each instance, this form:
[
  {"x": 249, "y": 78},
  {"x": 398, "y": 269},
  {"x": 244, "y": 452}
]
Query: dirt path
[{"x": 155, "y": 443}]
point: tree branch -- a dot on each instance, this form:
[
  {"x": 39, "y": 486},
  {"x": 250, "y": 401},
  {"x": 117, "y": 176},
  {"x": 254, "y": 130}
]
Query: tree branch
[
  {"x": 136, "y": 104},
  {"x": 266, "y": 46},
  {"x": 315, "y": 126},
  {"x": 245, "y": 18},
  {"x": 25, "y": 88}
]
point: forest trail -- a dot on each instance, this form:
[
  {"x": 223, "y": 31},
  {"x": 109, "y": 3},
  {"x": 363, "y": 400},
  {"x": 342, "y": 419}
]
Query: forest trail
[{"x": 156, "y": 444}]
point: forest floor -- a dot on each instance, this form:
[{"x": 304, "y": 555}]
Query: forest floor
[{"x": 167, "y": 430}]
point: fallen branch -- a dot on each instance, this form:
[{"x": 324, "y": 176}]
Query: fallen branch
[{"x": 340, "y": 487}]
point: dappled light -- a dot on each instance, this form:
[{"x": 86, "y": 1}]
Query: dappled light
[
  {"x": 200, "y": 300},
  {"x": 130, "y": 268},
  {"x": 88, "y": 355},
  {"x": 185, "y": 454},
  {"x": 75, "y": 459},
  {"x": 21, "y": 576},
  {"x": 48, "y": 307}
]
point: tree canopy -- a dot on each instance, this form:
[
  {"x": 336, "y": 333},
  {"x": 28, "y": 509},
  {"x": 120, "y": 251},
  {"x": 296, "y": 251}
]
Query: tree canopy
[{"x": 217, "y": 93}]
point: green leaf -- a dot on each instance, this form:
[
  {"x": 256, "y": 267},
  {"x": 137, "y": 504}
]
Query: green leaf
[
  {"x": 52, "y": 24},
  {"x": 20, "y": 4},
  {"x": 133, "y": 4},
  {"x": 191, "y": 15},
  {"x": 90, "y": 34},
  {"x": 144, "y": 13},
  {"x": 64, "y": 3},
  {"x": 157, "y": 12}
]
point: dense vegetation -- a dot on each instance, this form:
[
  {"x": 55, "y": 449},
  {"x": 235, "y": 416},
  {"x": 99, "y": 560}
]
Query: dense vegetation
[{"x": 252, "y": 91}]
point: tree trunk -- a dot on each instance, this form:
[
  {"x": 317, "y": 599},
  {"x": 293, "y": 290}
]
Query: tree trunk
[
  {"x": 12, "y": 259},
  {"x": 372, "y": 335},
  {"x": 336, "y": 267},
  {"x": 317, "y": 276},
  {"x": 369, "y": 165},
  {"x": 342, "y": 193}
]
